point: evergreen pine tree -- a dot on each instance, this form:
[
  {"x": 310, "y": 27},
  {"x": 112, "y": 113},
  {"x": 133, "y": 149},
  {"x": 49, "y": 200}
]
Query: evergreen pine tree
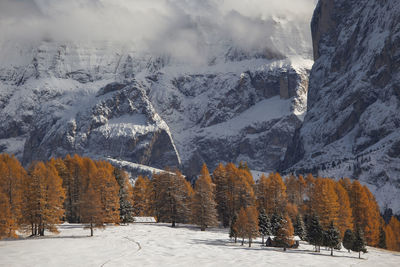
[
  {"x": 315, "y": 233},
  {"x": 359, "y": 243},
  {"x": 264, "y": 225},
  {"x": 233, "y": 230},
  {"x": 382, "y": 238},
  {"x": 332, "y": 237},
  {"x": 125, "y": 196},
  {"x": 284, "y": 233},
  {"x": 348, "y": 239},
  {"x": 276, "y": 220},
  {"x": 300, "y": 228}
]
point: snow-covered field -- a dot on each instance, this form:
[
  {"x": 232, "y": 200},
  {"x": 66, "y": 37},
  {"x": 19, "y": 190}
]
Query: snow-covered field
[{"x": 161, "y": 245}]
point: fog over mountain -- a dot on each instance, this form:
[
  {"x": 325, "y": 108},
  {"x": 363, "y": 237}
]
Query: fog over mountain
[{"x": 188, "y": 30}]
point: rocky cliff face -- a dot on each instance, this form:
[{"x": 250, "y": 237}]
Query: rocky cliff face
[
  {"x": 105, "y": 101},
  {"x": 352, "y": 127}
]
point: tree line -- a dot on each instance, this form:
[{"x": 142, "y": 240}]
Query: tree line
[
  {"x": 81, "y": 190},
  {"x": 73, "y": 189}
]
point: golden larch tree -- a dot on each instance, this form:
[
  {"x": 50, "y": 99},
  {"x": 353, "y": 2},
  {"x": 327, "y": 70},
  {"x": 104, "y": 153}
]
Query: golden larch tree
[
  {"x": 276, "y": 198},
  {"x": 346, "y": 214},
  {"x": 92, "y": 213},
  {"x": 306, "y": 208},
  {"x": 7, "y": 226},
  {"x": 252, "y": 227},
  {"x": 171, "y": 197},
  {"x": 240, "y": 192},
  {"x": 141, "y": 197},
  {"x": 392, "y": 231},
  {"x": 293, "y": 190},
  {"x": 106, "y": 184},
  {"x": 360, "y": 206},
  {"x": 204, "y": 206},
  {"x": 324, "y": 201},
  {"x": 220, "y": 180},
  {"x": 371, "y": 231},
  {"x": 44, "y": 198},
  {"x": 240, "y": 224},
  {"x": 261, "y": 191},
  {"x": 12, "y": 176}
]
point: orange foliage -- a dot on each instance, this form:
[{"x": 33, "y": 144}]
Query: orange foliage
[
  {"x": 44, "y": 198},
  {"x": 204, "y": 206},
  {"x": 324, "y": 201},
  {"x": 346, "y": 214},
  {"x": 392, "y": 231},
  {"x": 275, "y": 194},
  {"x": 365, "y": 212},
  {"x": 12, "y": 175},
  {"x": 246, "y": 224},
  {"x": 141, "y": 196},
  {"x": 7, "y": 228}
]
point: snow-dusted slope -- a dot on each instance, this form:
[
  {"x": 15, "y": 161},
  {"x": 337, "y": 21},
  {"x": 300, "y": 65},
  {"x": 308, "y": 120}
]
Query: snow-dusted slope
[
  {"x": 145, "y": 244},
  {"x": 237, "y": 93},
  {"x": 352, "y": 127}
]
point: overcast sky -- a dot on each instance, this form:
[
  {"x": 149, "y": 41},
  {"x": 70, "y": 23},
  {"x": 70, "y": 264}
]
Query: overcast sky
[{"x": 186, "y": 24}]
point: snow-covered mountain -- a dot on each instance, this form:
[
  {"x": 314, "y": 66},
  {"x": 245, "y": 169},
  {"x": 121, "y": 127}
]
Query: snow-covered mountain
[
  {"x": 352, "y": 127},
  {"x": 178, "y": 83},
  {"x": 105, "y": 103},
  {"x": 232, "y": 96}
]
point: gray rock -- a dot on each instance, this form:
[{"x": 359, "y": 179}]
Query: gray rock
[{"x": 352, "y": 127}]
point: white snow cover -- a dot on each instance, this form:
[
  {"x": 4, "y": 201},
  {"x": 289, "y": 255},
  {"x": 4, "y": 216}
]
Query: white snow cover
[
  {"x": 144, "y": 219},
  {"x": 161, "y": 245}
]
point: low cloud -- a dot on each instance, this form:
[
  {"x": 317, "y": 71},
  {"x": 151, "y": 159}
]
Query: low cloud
[{"x": 181, "y": 28}]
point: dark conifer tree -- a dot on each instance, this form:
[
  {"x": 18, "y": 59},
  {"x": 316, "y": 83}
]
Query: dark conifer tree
[
  {"x": 315, "y": 233},
  {"x": 283, "y": 237},
  {"x": 359, "y": 243},
  {"x": 233, "y": 231},
  {"x": 332, "y": 237},
  {"x": 300, "y": 228},
  {"x": 348, "y": 239},
  {"x": 125, "y": 196},
  {"x": 264, "y": 225},
  {"x": 382, "y": 238},
  {"x": 276, "y": 220}
]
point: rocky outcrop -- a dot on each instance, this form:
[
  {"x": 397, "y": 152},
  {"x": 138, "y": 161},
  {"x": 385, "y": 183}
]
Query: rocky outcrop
[
  {"x": 150, "y": 112},
  {"x": 235, "y": 98},
  {"x": 352, "y": 127},
  {"x": 237, "y": 116},
  {"x": 117, "y": 124}
]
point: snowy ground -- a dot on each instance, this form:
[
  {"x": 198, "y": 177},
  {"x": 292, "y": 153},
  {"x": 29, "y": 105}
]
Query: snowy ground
[{"x": 161, "y": 245}]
